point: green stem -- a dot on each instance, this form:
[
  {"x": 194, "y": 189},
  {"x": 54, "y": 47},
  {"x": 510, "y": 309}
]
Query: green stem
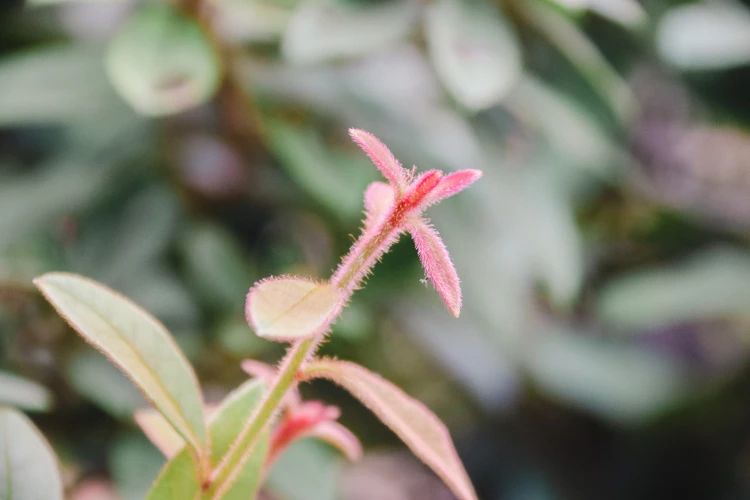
[{"x": 231, "y": 465}]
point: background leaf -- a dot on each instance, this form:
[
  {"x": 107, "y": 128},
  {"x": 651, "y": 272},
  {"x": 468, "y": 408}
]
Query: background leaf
[
  {"x": 161, "y": 62},
  {"x": 327, "y": 29},
  {"x": 28, "y": 468},
  {"x": 705, "y": 35},
  {"x": 474, "y": 50},
  {"x": 23, "y": 393}
]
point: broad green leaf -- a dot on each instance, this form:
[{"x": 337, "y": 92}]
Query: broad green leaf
[
  {"x": 28, "y": 467},
  {"x": 137, "y": 343},
  {"x": 178, "y": 479},
  {"x": 23, "y": 393},
  {"x": 288, "y": 308},
  {"x": 474, "y": 50},
  {"x": 713, "y": 284},
  {"x": 161, "y": 61},
  {"x": 327, "y": 29},
  {"x": 705, "y": 35},
  {"x": 414, "y": 423}
]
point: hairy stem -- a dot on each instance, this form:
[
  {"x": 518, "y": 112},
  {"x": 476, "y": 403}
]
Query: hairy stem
[{"x": 371, "y": 245}]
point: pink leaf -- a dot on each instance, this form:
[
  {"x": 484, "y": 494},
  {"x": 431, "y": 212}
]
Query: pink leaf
[
  {"x": 454, "y": 183},
  {"x": 288, "y": 308},
  {"x": 437, "y": 263},
  {"x": 298, "y": 423},
  {"x": 381, "y": 157},
  {"x": 419, "y": 190},
  {"x": 339, "y": 437},
  {"x": 414, "y": 423}
]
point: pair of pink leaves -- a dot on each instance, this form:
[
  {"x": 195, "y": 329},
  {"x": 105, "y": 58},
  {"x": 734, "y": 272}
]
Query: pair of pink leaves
[{"x": 289, "y": 308}]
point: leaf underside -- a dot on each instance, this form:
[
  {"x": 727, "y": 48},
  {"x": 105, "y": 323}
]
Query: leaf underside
[{"x": 414, "y": 423}]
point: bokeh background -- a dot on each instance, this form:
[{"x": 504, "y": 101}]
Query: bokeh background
[{"x": 180, "y": 151}]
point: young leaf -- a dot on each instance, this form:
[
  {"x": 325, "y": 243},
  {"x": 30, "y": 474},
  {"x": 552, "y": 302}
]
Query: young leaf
[
  {"x": 381, "y": 157},
  {"x": 289, "y": 308},
  {"x": 379, "y": 197},
  {"x": 161, "y": 62},
  {"x": 339, "y": 437},
  {"x": 23, "y": 393},
  {"x": 28, "y": 468},
  {"x": 297, "y": 423},
  {"x": 137, "y": 343},
  {"x": 437, "y": 264},
  {"x": 158, "y": 431},
  {"x": 416, "y": 425},
  {"x": 454, "y": 183},
  {"x": 474, "y": 50},
  {"x": 178, "y": 478}
]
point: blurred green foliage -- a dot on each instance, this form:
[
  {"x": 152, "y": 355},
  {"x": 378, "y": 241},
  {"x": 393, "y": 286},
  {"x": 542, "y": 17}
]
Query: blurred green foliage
[{"x": 178, "y": 151}]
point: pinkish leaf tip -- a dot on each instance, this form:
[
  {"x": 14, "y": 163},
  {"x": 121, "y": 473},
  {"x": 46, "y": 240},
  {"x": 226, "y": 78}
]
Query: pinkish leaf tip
[{"x": 381, "y": 157}]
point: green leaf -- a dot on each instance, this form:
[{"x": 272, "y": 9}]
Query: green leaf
[
  {"x": 572, "y": 43},
  {"x": 419, "y": 428},
  {"x": 80, "y": 88},
  {"x": 713, "y": 284},
  {"x": 23, "y": 393},
  {"x": 289, "y": 308},
  {"x": 178, "y": 478},
  {"x": 624, "y": 383},
  {"x": 137, "y": 343},
  {"x": 28, "y": 468},
  {"x": 628, "y": 13},
  {"x": 162, "y": 63},
  {"x": 320, "y": 30},
  {"x": 474, "y": 50},
  {"x": 134, "y": 464},
  {"x": 705, "y": 35},
  {"x": 217, "y": 267},
  {"x": 332, "y": 177}
]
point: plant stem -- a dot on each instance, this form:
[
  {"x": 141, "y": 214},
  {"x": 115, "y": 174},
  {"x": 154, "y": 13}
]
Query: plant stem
[{"x": 356, "y": 264}]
